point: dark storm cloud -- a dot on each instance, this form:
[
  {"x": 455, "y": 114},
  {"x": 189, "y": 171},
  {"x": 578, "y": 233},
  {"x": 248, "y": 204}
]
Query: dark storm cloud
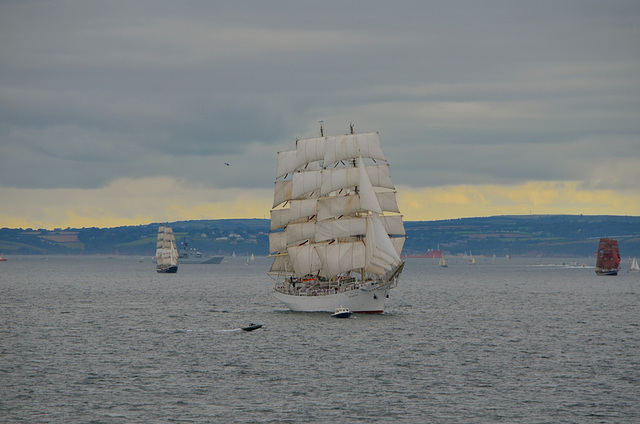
[{"x": 461, "y": 92}]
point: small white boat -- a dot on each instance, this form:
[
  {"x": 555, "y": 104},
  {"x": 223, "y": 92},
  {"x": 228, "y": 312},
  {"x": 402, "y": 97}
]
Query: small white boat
[{"x": 341, "y": 312}]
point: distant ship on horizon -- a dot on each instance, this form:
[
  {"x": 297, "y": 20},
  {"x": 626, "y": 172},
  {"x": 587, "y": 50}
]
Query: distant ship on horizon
[
  {"x": 430, "y": 254},
  {"x": 192, "y": 256},
  {"x": 608, "y": 260},
  {"x": 166, "y": 251}
]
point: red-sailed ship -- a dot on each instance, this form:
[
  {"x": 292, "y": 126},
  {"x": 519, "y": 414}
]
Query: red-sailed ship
[{"x": 608, "y": 261}]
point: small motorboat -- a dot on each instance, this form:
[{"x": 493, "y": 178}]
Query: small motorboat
[
  {"x": 341, "y": 312},
  {"x": 251, "y": 327}
]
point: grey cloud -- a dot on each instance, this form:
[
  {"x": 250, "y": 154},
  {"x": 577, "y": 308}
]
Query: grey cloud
[{"x": 465, "y": 92}]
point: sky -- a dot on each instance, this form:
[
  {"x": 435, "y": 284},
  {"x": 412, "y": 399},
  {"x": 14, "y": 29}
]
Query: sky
[{"x": 125, "y": 112}]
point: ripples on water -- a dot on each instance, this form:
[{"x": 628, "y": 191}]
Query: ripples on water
[{"x": 110, "y": 340}]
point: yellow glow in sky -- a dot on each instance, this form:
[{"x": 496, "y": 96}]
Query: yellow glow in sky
[{"x": 152, "y": 200}]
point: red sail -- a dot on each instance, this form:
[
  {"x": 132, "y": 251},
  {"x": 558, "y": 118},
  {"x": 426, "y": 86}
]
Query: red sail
[{"x": 608, "y": 255}]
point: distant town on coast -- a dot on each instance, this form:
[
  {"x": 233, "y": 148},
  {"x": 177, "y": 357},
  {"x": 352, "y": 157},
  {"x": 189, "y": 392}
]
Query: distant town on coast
[{"x": 521, "y": 235}]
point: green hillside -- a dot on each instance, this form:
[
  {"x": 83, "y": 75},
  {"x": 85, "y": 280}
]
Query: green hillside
[{"x": 530, "y": 235}]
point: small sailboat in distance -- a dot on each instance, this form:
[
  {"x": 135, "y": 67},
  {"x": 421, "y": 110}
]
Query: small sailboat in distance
[{"x": 634, "y": 266}]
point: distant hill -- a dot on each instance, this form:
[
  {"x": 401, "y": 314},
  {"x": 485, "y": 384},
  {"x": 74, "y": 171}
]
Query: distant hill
[{"x": 526, "y": 235}]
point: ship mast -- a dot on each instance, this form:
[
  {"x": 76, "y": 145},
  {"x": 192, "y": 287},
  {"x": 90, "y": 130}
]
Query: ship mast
[{"x": 357, "y": 190}]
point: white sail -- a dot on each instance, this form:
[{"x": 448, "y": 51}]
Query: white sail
[
  {"x": 304, "y": 208},
  {"x": 306, "y": 183},
  {"x": 354, "y": 226},
  {"x": 335, "y": 206},
  {"x": 159, "y": 243},
  {"x": 304, "y": 259},
  {"x": 383, "y": 241},
  {"x": 277, "y": 242},
  {"x": 381, "y": 254},
  {"x": 279, "y": 218},
  {"x": 340, "y": 178},
  {"x": 374, "y": 263},
  {"x": 300, "y": 232},
  {"x": 350, "y": 146},
  {"x": 341, "y": 257},
  {"x": 286, "y": 163},
  {"x": 393, "y": 225},
  {"x": 282, "y": 192},
  {"x": 281, "y": 264},
  {"x": 309, "y": 150},
  {"x": 388, "y": 202},
  {"x": 398, "y": 243},
  {"x": 368, "y": 199},
  {"x": 345, "y": 227}
]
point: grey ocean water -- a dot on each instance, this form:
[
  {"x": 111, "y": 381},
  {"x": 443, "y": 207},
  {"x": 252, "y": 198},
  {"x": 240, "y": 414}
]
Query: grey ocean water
[{"x": 108, "y": 340}]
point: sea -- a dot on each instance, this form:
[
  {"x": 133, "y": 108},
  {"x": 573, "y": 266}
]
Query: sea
[{"x": 97, "y": 339}]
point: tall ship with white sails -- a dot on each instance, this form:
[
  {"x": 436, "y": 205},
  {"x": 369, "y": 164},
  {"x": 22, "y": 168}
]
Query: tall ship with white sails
[
  {"x": 336, "y": 230},
  {"x": 166, "y": 251}
]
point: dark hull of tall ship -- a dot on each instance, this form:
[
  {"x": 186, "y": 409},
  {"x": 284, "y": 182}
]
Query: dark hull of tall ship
[
  {"x": 606, "y": 271},
  {"x": 168, "y": 270}
]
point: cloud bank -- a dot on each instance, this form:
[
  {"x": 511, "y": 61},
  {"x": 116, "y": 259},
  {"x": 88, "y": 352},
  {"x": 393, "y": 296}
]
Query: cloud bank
[{"x": 465, "y": 95}]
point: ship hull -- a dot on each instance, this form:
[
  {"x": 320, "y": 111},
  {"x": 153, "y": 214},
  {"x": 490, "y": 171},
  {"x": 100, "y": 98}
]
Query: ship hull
[
  {"x": 358, "y": 301},
  {"x": 169, "y": 270},
  {"x": 607, "y": 271},
  {"x": 201, "y": 261}
]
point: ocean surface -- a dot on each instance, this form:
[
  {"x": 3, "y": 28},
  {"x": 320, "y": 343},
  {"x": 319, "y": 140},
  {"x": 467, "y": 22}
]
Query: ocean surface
[{"x": 108, "y": 340}]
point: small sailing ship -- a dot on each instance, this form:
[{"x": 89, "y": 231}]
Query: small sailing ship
[
  {"x": 336, "y": 231},
  {"x": 166, "y": 251},
  {"x": 634, "y": 266},
  {"x": 608, "y": 259}
]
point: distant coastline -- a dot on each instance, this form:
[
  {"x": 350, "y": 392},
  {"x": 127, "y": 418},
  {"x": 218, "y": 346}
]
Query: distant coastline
[{"x": 514, "y": 235}]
